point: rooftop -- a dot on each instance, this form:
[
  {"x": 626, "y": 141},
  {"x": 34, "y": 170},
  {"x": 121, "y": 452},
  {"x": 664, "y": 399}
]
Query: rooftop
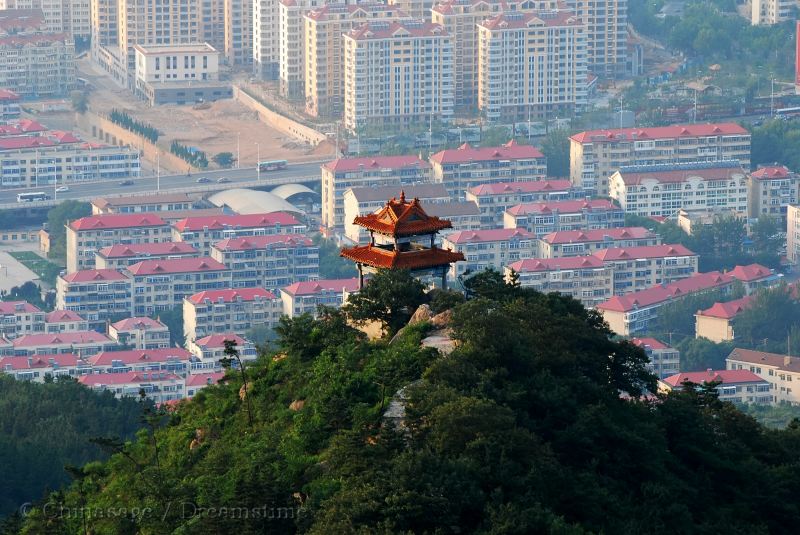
[
  {"x": 510, "y": 21},
  {"x": 381, "y": 193},
  {"x": 218, "y": 340},
  {"x": 138, "y": 356},
  {"x": 530, "y": 265},
  {"x": 189, "y": 48},
  {"x": 409, "y": 29},
  {"x": 751, "y": 272},
  {"x": 61, "y": 360},
  {"x": 229, "y": 296},
  {"x": 15, "y": 307},
  {"x": 200, "y": 379},
  {"x": 659, "y": 132},
  {"x": 652, "y": 343},
  {"x": 532, "y": 186},
  {"x": 175, "y": 265},
  {"x": 467, "y": 153},
  {"x": 80, "y": 337},
  {"x": 351, "y": 10},
  {"x": 221, "y": 222},
  {"x": 261, "y": 242},
  {"x": 379, "y": 257},
  {"x": 676, "y": 173},
  {"x": 140, "y": 323},
  {"x": 713, "y": 376},
  {"x": 62, "y": 316},
  {"x": 662, "y": 293},
  {"x": 727, "y": 310},
  {"x": 772, "y": 172},
  {"x": 320, "y": 286},
  {"x": 563, "y": 207},
  {"x": 400, "y": 217},
  {"x": 94, "y": 275},
  {"x": 782, "y": 362},
  {"x": 103, "y": 379},
  {"x": 646, "y": 251},
  {"x": 343, "y": 165},
  {"x": 497, "y": 234},
  {"x": 112, "y": 221},
  {"x": 597, "y": 235},
  {"x": 137, "y": 200},
  {"x": 125, "y": 250}
]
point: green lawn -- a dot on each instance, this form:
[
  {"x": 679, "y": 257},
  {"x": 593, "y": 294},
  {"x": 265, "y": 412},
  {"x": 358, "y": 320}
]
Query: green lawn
[{"x": 47, "y": 271}]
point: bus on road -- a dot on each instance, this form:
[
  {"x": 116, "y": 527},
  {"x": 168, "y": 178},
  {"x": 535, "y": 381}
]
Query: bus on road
[
  {"x": 30, "y": 197},
  {"x": 272, "y": 165}
]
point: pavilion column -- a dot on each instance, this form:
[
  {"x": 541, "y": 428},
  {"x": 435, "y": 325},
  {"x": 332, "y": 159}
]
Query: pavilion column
[
  {"x": 360, "y": 276},
  {"x": 444, "y": 278},
  {"x": 433, "y": 240}
]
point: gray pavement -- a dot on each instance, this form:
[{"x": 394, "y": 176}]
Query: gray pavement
[{"x": 12, "y": 273}]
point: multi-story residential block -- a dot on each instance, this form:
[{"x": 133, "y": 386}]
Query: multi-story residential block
[
  {"x": 417, "y": 9},
  {"x": 57, "y": 16},
  {"x": 239, "y": 31},
  {"x": 586, "y": 242},
  {"x": 304, "y": 297},
  {"x": 6, "y": 347},
  {"x": 586, "y": 279},
  {"x": 169, "y": 359},
  {"x": 103, "y": 25},
  {"x": 467, "y": 167},
  {"x": 291, "y": 45},
  {"x": 20, "y": 317},
  {"x": 229, "y": 311},
  {"x": 87, "y": 235},
  {"x": 716, "y": 322},
  {"x": 41, "y": 367},
  {"x": 782, "y": 372},
  {"x": 771, "y": 190},
  {"x": 162, "y": 202},
  {"x": 140, "y": 333},
  {"x": 532, "y": 65},
  {"x": 9, "y": 105},
  {"x": 198, "y": 381},
  {"x": 489, "y": 249},
  {"x": 266, "y": 39},
  {"x": 124, "y": 255},
  {"x": 210, "y": 349},
  {"x": 665, "y": 189},
  {"x": 463, "y": 215},
  {"x": 96, "y": 294},
  {"x": 755, "y": 276},
  {"x": 268, "y": 261},
  {"x": 495, "y": 198},
  {"x": 159, "y": 387},
  {"x": 203, "y": 232},
  {"x": 162, "y": 284},
  {"x": 64, "y": 321},
  {"x": 81, "y": 343},
  {"x": 736, "y": 386},
  {"x": 324, "y": 46},
  {"x": 544, "y": 217},
  {"x": 606, "y": 35},
  {"x": 793, "y": 233},
  {"x": 367, "y": 200},
  {"x": 397, "y": 75},
  {"x": 665, "y": 360},
  {"x": 596, "y": 154},
  {"x": 344, "y": 173},
  {"x": 639, "y": 268},
  {"x": 766, "y": 12}
]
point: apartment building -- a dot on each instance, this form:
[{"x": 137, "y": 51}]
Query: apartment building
[
  {"x": 198, "y": 381},
  {"x": 716, "y": 322},
  {"x": 768, "y": 12},
  {"x": 266, "y": 39},
  {"x": 324, "y": 62},
  {"x": 793, "y": 233},
  {"x": 210, "y": 349},
  {"x": 9, "y": 105},
  {"x": 103, "y": 25},
  {"x": 417, "y": 9},
  {"x": 397, "y": 75},
  {"x": 169, "y": 359},
  {"x": 770, "y": 190},
  {"x": 596, "y": 154},
  {"x": 6, "y": 347},
  {"x": 81, "y": 343},
  {"x": 37, "y": 65},
  {"x": 87, "y": 235},
  {"x": 489, "y": 249},
  {"x": 162, "y": 284},
  {"x": 159, "y": 387},
  {"x": 586, "y": 279},
  {"x": 140, "y": 333},
  {"x": 123, "y": 255},
  {"x": 495, "y": 198},
  {"x": 203, "y": 232},
  {"x": 532, "y": 65},
  {"x": 367, "y": 200},
  {"x": 268, "y": 261},
  {"x": 344, "y": 173},
  {"x": 585, "y": 242},
  {"x": 39, "y": 368},
  {"x": 606, "y": 35},
  {"x": 304, "y": 297},
  {"x": 782, "y": 372},
  {"x": 162, "y": 202},
  {"x": 467, "y": 167},
  {"x": 755, "y": 276},
  {"x": 735, "y": 386},
  {"x": 20, "y": 317},
  {"x": 639, "y": 268},
  {"x": 463, "y": 215},
  {"x": 666, "y": 189},
  {"x": 544, "y": 217},
  {"x": 64, "y": 321},
  {"x": 96, "y": 294},
  {"x": 55, "y": 16},
  {"x": 238, "y": 31},
  {"x": 229, "y": 311},
  {"x": 291, "y": 45},
  {"x": 665, "y": 360}
]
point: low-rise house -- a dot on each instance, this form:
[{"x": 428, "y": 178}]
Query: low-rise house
[
  {"x": 131, "y": 204},
  {"x": 20, "y": 317},
  {"x": 157, "y": 386},
  {"x": 484, "y": 249},
  {"x": 203, "y": 232},
  {"x": 304, "y": 297},
  {"x": 716, "y": 322},
  {"x": 586, "y": 242},
  {"x": 665, "y": 360},
  {"x": 123, "y": 255},
  {"x": 171, "y": 359},
  {"x": 209, "y": 350},
  {"x": 544, "y": 217},
  {"x": 229, "y": 311},
  {"x": 81, "y": 343},
  {"x": 638, "y": 268},
  {"x": 494, "y": 199},
  {"x": 198, "y": 381},
  {"x": 140, "y": 333},
  {"x": 584, "y": 278},
  {"x": 95, "y": 294},
  {"x": 64, "y": 321},
  {"x": 782, "y": 372},
  {"x": 38, "y": 367},
  {"x": 736, "y": 386}
]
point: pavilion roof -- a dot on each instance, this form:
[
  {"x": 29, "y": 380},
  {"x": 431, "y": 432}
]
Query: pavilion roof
[
  {"x": 402, "y": 218},
  {"x": 378, "y": 257}
]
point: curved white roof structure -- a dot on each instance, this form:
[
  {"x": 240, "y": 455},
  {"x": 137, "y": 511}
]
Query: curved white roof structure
[
  {"x": 285, "y": 191},
  {"x": 251, "y": 201}
]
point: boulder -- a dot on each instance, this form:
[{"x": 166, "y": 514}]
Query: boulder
[
  {"x": 423, "y": 313},
  {"x": 442, "y": 319}
]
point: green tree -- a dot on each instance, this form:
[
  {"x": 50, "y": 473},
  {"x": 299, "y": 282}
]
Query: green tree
[
  {"x": 60, "y": 215},
  {"x": 80, "y": 101},
  {"x": 700, "y": 354},
  {"x": 224, "y": 159},
  {"x": 768, "y": 321},
  {"x": 173, "y": 319},
  {"x": 331, "y": 265},
  {"x": 29, "y": 291},
  {"x": 555, "y": 146},
  {"x": 390, "y": 297}
]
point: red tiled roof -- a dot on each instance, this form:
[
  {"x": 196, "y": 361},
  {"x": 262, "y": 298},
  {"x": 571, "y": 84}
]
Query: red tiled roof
[
  {"x": 446, "y": 7},
  {"x": 659, "y": 132},
  {"x": 652, "y": 343},
  {"x": 29, "y": 125},
  {"x": 385, "y": 258},
  {"x": 505, "y": 22},
  {"x": 218, "y": 340},
  {"x": 771, "y": 172},
  {"x": 94, "y": 275},
  {"x": 531, "y": 186},
  {"x": 61, "y": 360},
  {"x": 25, "y": 142},
  {"x": 325, "y": 285},
  {"x": 563, "y": 207},
  {"x": 750, "y": 272},
  {"x": 661, "y": 293},
  {"x": 529, "y": 265},
  {"x": 126, "y": 378},
  {"x": 261, "y": 242},
  {"x": 228, "y": 296},
  {"x": 597, "y": 235},
  {"x": 62, "y": 316},
  {"x": 124, "y": 250},
  {"x": 137, "y": 324},
  {"x": 344, "y": 165},
  {"x": 175, "y": 265},
  {"x": 201, "y": 379},
  {"x": 7, "y": 94},
  {"x": 80, "y": 337},
  {"x": 15, "y": 307},
  {"x": 713, "y": 376},
  {"x": 63, "y": 137},
  {"x": 645, "y": 251},
  {"x": 467, "y": 153},
  {"x": 136, "y": 356},
  {"x": 365, "y": 10},
  {"x": 782, "y": 362},
  {"x": 402, "y": 218},
  {"x": 727, "y": 310},
  {"x": 495, "y": 234},
  {"x": 220, "y": 222},
  {"x": 111, "y": 221},
  {"x": 631, "y": 178},
  {"x": 395, "y": 29}
]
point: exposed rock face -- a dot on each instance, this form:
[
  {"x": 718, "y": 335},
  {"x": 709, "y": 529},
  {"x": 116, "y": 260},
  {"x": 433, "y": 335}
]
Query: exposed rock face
[
  {"x": 423, "y": 313},
  {"x": 297, "y": 404},
  {"x": 442, "y": 319}
]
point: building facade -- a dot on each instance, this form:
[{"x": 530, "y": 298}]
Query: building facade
[
  {"x": 96, "y": 294},
  {"x": 304, "y": 297},
  {"x": 38, "y": 65},
  {"x": 229, "y": 311},
  {"x": 606, "y": 35},
  {"x": 266, "y": 39},
  {"x": 140, "y": 333},
  {"x": 542, "y": 218},
  {"x": 203, "y": 232},
  {"x": 782, "y": 372},
  {"x": 20, "y": 317},
  {"x": 71, "y": 17},
  {"x": 733, "y": 385},
  {"x": 716, "y": 322},
  {"x": 639, "y": 268},
  {"x": 585, "y": 242},
  {"x": 121, "y": 256},
  {"x": 767, "y": 12},
  {"x": 64, "y": 321},
  {"x": 239, "y": 32},
  {"x": 159, "y": 387},
  {"x": 163, "y": 202},
  {"x": 771, "y": 190},
  {"x": 586, "y": 279},
  {"x": 489, "y": 249},
  {"x": 495, "y": 198},
  {"x": 268, "y": 261},
  {"x": 81, "y": 343},
  {"x": 665, "y": 360}
]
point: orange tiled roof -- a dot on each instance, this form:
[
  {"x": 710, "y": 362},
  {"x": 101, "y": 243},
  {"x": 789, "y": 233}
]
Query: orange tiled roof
[
  {"x": 402, "y": 218},
  {"x": 385, "y": 259}
]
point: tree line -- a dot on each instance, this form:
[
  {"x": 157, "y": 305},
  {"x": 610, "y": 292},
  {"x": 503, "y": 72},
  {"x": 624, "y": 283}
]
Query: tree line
[
  {"x": 196, "y": 158},
  {"x": 123, "y": 119}
]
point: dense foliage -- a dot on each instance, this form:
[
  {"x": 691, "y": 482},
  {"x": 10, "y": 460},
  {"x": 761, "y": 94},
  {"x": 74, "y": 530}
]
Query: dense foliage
[
  {"x": 28, "y": 291},
  {"x": 520, "y": 429},
  {"x": 48, "y": 426},
  {"x": 677, "y": 318},
  {"x": 57, "y": 217},
  {"x": 194, "y": 157},
  {"x": 777, "y": 141},
  {"x": 331, "y": 265},
  {"x": 123, "y": 119}
]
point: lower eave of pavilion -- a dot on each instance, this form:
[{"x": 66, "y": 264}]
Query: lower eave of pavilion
[{"x": 381, "y": 258}]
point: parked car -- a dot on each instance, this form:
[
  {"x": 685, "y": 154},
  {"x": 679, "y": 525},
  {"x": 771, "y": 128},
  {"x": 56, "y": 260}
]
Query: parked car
[
  {"x": 126, "y": 183},
  {"x": 203, "y": 180},
  {"x": 62, "y": 189},
  {"x": 223, "y": 180}
]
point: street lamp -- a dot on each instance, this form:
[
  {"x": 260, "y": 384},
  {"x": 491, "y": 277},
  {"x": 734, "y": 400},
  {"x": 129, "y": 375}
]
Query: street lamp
[
  {"x": 258, "y": 162},
  {"x": 158, "y": 170},
  {"x": 238, "y": 154}
]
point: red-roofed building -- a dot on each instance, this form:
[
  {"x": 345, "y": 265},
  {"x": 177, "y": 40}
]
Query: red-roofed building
[
  {"x": 62, "y": 321},
  {"x": 6, "y": 347},
  {"x": 158, "y": 386},
  {"x": 268, "y": 261},
  {"x": 345, "y": 173},
  {"x": 304, "y": 297},
  {"x": 203, "y": 232},
  {"x": 95, "y": 294},
  {"x": 495, "y": 198},
  {"x": 198, "y": 381},
  {"x": 754, "y": 276},
  {"x": 9, "y": 105},
  {"x": 596, "y": 154},
  {"x": 87, "y": 235},
  {"x": 664, "y": 359},
  {"x": 583, "y": 242},
  {"x": 781, "y": 371},
  {"x": 229, "y": 311},
  {"x": 209, "y": 350},
  {"x": 140, "y": 333},
  {"x": 123, "y": 255},
  {"x": 171, "y": 359},
  {"x": 468, "y": 167},
  {"x": 584, "y": 278},
  {"x": 494, "y": 248},
  {"x": 81, "y": 343},
  {"x": 771, "y": 190},
  {"x": 129, "y": 204},
  {"x": 716, "y": 322},
  {"x": 37, "y": 368},
  {"x": 736, "y": 386},
  {"x": 638, "y": 268},
  {"x": 20, "y": 317},
  {"x": 545, "y": 217}
]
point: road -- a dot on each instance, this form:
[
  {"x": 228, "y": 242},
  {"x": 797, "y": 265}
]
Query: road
[{"x": 300, "y": 172}]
